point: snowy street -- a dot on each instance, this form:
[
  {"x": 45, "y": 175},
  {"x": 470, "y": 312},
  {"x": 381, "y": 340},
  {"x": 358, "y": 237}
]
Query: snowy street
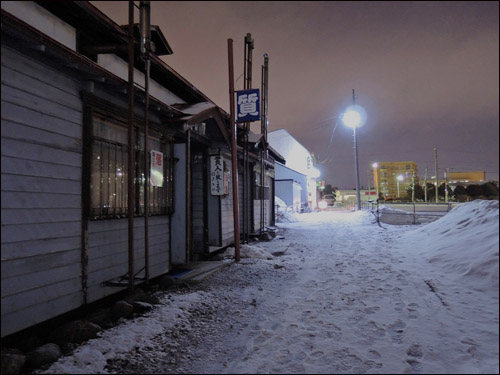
[{"x": 346, "y": 296}]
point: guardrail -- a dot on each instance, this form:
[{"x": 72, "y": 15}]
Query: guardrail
[{"x": 419, "y": 210}]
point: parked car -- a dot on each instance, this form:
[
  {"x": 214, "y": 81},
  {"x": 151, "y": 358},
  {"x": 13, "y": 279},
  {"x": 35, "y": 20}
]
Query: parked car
[{"x": 328, "y": 199}]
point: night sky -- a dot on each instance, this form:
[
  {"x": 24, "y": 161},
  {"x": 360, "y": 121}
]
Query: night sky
[{"x": 427, "y": 74}]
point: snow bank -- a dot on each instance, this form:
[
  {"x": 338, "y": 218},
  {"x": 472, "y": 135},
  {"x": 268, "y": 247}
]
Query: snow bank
[
  {"x": 464, "y": 242},
  {"x": 284, "y": 213}
]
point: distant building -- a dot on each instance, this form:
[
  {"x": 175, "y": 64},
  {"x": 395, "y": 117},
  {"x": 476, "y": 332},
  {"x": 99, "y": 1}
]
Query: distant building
[
  {"x": 349, "y": 195},
  {"x": 467, "y": 177},
  {"x": 299, "y": 169},
  {"x": 385, "y": 178}
]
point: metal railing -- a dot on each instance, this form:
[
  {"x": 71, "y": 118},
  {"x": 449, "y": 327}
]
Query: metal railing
[{"x": 420, "y": 211}]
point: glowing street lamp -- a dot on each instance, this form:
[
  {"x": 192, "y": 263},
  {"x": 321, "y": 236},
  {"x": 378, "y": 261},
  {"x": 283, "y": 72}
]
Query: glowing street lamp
[
  {"x": 354, "y": 117},
  {"x": 400, "y": 178}
]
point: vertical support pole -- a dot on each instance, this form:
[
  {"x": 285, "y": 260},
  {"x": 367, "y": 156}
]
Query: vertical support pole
[
  {"x": 425, "y": 184},
  {"x": 234, "y": 153},
  {"x": 413, "y": 187},
  {"x": 446, "y": 185},
  {"x": 145, "y": 27},
  {"x": 436, "y": 171},
  {"x": 131, "y": 142},
  {"x": 189, "y": 208},
  {"x": 358, "y": 193}
]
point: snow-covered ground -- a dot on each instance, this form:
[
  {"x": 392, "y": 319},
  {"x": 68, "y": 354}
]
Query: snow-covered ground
[{"x": 346, "y": 296}]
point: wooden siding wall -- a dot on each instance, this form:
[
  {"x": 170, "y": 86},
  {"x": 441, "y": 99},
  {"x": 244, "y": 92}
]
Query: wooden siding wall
[
  {"x": 198, "y": 206},
  {"x": 41, "y": 192},
  {"x": 41, "y": 158},
  {"x": 108, "y": 251},
  {"x": 227, "y": 224}
]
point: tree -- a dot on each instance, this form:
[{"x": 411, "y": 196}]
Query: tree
[
  {"x": 441, "y": 190},
  {"x": 419, "y": 192},
  {"x": 460, "y": 193},
  {"x": 328, "y": 190},
  {"x": 474, "y": 191},
  {"x": 490, "y": 190},
  {"x": 431, "y": 192}
]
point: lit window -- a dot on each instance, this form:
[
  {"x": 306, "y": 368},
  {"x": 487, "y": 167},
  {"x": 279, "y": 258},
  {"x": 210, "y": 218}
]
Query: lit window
[{"x": 109, "y": 172}]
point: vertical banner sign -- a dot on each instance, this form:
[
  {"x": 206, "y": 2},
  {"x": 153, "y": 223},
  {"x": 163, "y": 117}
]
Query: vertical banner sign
[
  {"x": 248, "y": 105},
  {"x": 156, "y": 168},
  {"x": 216, "y": 175}
]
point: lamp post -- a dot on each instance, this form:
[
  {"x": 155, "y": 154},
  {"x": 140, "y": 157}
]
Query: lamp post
[
  {"x": 375, "y": 176},
  {"x": 400, "y": 178},
  {"x": 354, "y": 117}
]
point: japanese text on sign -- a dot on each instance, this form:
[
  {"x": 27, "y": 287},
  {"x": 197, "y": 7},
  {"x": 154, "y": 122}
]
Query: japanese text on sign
[
  {"x": 248, "y": 105},
  {"x": 216, "y": 175},
  {"x": 156, "y": 168}
]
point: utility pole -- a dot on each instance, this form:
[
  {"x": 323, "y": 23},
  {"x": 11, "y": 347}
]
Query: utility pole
[
  {"x": 436, "y": 170},
  {"x": 425, "y": 184},
  {"x": 358, "y": 193},
  {"x": 446, "y": 186},
  {"x": 234, "y": 153},
  {"x": 413, "y": 187}
]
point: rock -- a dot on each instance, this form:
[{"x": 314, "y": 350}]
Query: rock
[
  {"x": 136, "y": 294},
  {"x": 77, "y": 332},
  {"x": 153, "y": 300},
  {"x": 101, "y": 317},
  {"x": 29, "y": 344},
  {"x": 43, "y": 355},
  {"x": 141, "y": 307},
  {"x": 12, "y": 361},
  {"x": 166, "y": 282},
  {"x": 122, "y": 309}
]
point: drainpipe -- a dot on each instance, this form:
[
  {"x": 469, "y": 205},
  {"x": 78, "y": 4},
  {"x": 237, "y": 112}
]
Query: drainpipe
[
  {"x": 131, "y": 143},
  {"x": 189, "y": 224},
  {"x": 145, "y": 27},
  {"x": 234, "y": 153}
]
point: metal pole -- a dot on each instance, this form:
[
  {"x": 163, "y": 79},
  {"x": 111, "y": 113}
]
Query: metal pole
[
  {"x": 446, "y": 186},
  {"x": 413, "y": 187},
  {"x": 436, "y": 170},
  {"x": 131, "y": 169},
  {"x": 233, "y": 153},
  {"x": 358, "y": 194},
  {"x": 425, "y": 184},
  {"x": 145, "y": 11},
  {"x": 189, "y": 215}
]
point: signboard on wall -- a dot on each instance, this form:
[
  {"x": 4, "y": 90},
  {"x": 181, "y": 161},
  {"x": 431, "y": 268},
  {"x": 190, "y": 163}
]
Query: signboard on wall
[
  {"x": 217, "y": 175},
  {"x": 156, "y": 168},
  {"x": 248, "y": 105}
]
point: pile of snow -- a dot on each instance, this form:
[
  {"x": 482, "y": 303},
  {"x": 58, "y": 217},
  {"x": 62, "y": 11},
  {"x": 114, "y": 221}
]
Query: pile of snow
[
  {"x": 464, "y": 242},
  {"x": 280, "y": 203},
  {"x": 287, "y": 217},
  {"x": 248, "y": 251},
  {"x": 284, "y": 213}
]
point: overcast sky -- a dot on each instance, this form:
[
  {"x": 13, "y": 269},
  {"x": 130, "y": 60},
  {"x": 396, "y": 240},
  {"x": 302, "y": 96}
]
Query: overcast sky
[{"x": 427, "y": 74}]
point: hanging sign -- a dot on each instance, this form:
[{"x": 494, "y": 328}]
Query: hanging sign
[
  {"x": 216, "y": 175},
  {"x": 248, "y": 105},
  {"x": 156, "y": 168}
]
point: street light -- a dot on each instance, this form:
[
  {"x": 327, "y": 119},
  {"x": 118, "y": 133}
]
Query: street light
[
  {"x": 400, "y": 178},
  {"x": 354, "y": 117},
  {"x": 375, "y": 176}
]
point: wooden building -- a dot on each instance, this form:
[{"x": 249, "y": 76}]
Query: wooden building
[{"x": 65, "y": 223}]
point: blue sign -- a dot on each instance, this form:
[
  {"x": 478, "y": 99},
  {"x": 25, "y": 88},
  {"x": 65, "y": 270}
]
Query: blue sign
[{"x": 248, "y": 105}]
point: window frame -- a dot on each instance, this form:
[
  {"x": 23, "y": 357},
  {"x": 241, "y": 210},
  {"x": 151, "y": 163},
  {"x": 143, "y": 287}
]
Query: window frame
[{"x": 161, "y": 199}]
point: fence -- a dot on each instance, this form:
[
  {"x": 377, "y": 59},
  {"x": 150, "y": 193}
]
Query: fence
[{"x": 407, "y": 212}]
